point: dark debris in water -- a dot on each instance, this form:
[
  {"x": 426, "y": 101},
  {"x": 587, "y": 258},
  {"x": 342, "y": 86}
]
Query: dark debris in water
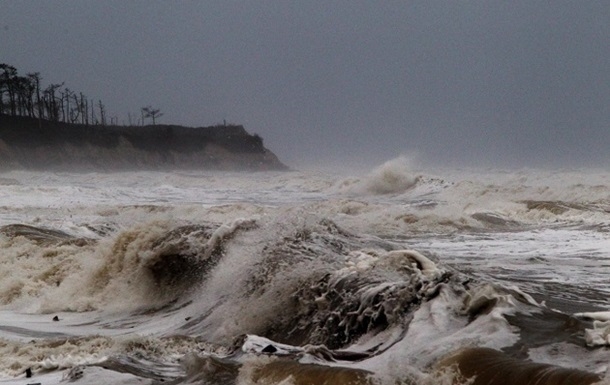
[{"x": 269, "y": 349}]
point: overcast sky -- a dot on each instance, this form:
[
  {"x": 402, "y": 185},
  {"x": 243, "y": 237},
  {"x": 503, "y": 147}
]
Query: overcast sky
[{"x": 521, "y": 83}]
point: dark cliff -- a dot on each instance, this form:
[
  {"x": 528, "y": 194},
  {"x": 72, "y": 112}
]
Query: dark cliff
[{"x": 27, "y": 143}]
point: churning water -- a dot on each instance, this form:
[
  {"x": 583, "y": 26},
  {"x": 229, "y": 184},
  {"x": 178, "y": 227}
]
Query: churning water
[{"x": 394, "y": 277}]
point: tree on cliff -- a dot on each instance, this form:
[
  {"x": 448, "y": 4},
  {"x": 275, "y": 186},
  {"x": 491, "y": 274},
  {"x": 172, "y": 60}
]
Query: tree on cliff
[
  {"x": 24, "y": 96},
  {"x": 8, "y": 85},
  {"x": 153, "y": 113},
  {"x": 35, "y": 79},
  {"x": 51, "y": 101}
]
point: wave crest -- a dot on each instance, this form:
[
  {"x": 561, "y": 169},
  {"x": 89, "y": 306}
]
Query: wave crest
[
  {"x": 164, "y": 264},
  {"x": 148, "y": 266},
  {"x": 393, "y": 177},
  {"x": 318, "y": 287}
]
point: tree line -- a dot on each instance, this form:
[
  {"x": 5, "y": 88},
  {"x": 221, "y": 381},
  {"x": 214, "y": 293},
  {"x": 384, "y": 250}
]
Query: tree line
[{"x": 26, "y": 96}]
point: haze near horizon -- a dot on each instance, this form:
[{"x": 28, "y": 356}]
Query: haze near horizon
[{"x": 520, "y": 84}]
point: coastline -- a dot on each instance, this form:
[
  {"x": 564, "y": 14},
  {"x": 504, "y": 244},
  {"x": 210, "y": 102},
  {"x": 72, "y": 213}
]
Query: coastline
[{"x": 36, "y": 144}]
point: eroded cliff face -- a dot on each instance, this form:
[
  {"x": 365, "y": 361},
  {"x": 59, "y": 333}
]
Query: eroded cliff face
[{"x": 40, "y": 145}]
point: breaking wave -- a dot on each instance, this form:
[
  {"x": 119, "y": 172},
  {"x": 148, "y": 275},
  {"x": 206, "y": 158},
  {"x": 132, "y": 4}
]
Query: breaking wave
[
  {"x": 153, "y": 263},
  {"x": 393, "y": 177}
]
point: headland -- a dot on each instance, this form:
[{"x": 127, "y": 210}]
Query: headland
[{"x": 37, "y": 144}]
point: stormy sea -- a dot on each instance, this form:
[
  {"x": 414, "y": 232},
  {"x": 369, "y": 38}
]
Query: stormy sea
[{"x": 399, "y": 275}]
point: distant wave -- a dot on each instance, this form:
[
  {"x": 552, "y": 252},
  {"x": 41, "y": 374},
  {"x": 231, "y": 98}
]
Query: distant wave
[{"x": 393, "y": 177}]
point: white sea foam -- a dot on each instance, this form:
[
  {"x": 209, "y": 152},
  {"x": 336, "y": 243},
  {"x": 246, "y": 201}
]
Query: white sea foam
[{"x": 278, "y": 235}]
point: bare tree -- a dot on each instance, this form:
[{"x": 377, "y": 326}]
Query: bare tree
[
  {"x": 35, "y": 81},
  {"x": 93, "y": 117},
  {"x": 50, "y": 101},
  {"x": 102, "y": 113},
  {"x": 153, "y": 113},
  {"x": 76, "y": 111},
  {"x": 25, "y": 96},
  {"x": 24, "y": 91},
  {"x": 8, "y": 75},
  {"x": 66, "y": 95},
  {"x": 84, "y": 105}
]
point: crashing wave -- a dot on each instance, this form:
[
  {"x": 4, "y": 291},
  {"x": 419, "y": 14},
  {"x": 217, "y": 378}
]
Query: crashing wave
[
  {"x": 354, "y": 291},
  {"x": 392, "y": 177}
]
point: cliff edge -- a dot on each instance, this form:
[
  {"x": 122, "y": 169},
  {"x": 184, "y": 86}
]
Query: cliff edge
[{"x": 33, "y": 144}]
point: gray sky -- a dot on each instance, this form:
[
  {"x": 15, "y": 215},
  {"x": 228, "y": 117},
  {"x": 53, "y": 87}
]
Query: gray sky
[{"x": 521, "y": 83}]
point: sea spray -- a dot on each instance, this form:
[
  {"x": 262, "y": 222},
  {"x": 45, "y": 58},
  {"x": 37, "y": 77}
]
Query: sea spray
[{"x": 392, "y": 177}]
